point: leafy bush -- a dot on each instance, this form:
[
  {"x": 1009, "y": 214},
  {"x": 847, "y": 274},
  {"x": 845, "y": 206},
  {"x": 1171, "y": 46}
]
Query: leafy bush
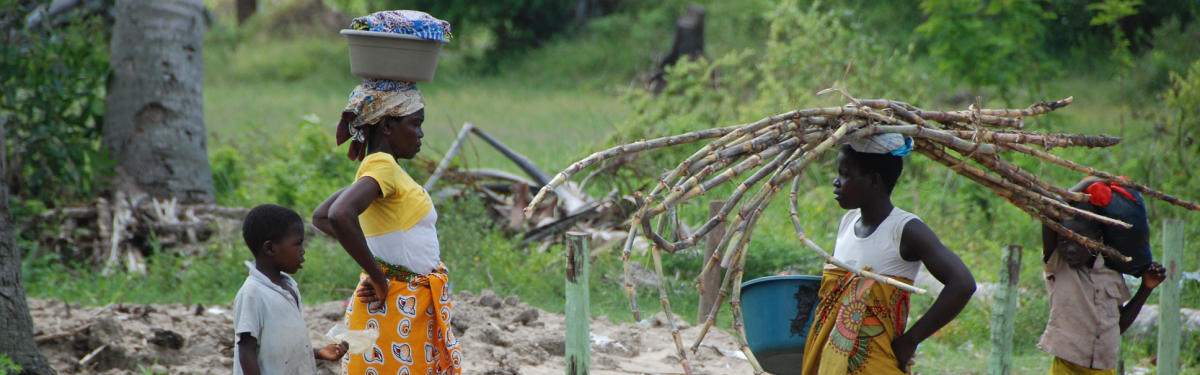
[
  {"x": 7, "y": 366},
  {"x": 1174, "y": 50},
  {"x": 300, "y": 174},
  {"x": 52, "y": 107},
  {"x": 988, "y": 44},
  {"x": 504, "y": 28},
  {"x": 1182, "y": 108},
  {"x": 806, "y": 49}
]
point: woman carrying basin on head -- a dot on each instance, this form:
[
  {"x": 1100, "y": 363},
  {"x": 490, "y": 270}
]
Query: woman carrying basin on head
[{"x": 386, "y": 222}]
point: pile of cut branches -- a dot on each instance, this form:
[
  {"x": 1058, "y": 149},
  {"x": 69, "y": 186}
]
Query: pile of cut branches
[
  {"x": 121, "y": 230},
  {"x": 779, "y": 148}
]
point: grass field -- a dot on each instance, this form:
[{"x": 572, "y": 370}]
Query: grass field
[{"x": 255, "y": 98}]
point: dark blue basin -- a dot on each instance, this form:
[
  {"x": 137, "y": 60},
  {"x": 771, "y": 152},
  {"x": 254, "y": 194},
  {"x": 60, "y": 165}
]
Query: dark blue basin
[{"x": 777, "y": 312}]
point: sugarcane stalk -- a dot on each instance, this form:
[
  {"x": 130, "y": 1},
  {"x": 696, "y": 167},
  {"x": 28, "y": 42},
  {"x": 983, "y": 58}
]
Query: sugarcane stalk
[
  {"x": 957, "y": 117},
  {"x": 1088, "y": 242},
  {"x": 627, "y": 263},
  {"x": 935, "y": 135},
  {"x": 690, "y": 189},
  {"x": 1024, "y": 206},
  {"x": 1009, "y": 188},
  {"x": 1022, "y": 177},
  {"x": 1033, "y": 110},
  {"x": 790, "y": 169},
  {"x": 627, "y": 254},
  {"x": 729, "y": 204},
  {"x": 739, "y": 327},
  {"x": 712, "y": 314},
  {"x": 1042, "y": 139},
  {"x": 748, "y": 130},
  {"x": 736, "y": 149},
  {"x": 656, "y": 253},
  {"x": 1104, "y": 175},
  {"x": 621, "y": 150},
  {"x": 732, "y": 201}
]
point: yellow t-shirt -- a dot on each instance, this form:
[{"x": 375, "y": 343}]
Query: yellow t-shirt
[{"x": 403, "y": 202}]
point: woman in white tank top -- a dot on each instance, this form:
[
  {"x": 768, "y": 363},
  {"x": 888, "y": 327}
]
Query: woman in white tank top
[{"x": 859, "y": 323}]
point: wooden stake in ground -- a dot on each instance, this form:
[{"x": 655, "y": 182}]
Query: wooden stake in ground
[
  {"x": 1004, "y": 312},
  {"x": 1169, "y": 333},
  {"x": 578, "y": 334},
  {"x": 710, "y": 284}
]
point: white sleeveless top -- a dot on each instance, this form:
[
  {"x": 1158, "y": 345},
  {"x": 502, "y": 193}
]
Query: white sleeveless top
[{"x": 880, "y": 250}]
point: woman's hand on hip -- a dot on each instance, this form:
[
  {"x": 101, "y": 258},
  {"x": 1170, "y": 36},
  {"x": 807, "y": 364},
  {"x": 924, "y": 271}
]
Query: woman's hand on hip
[{"x": 373, "y": 290}]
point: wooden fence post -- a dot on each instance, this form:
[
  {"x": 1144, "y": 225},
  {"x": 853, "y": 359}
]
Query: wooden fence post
[
  {"x": 1004, "y": 312},
  {"x": 1169, "y": 333},
  {"x": 578, "y": 334},
  {"x": 711, "y": 284}
]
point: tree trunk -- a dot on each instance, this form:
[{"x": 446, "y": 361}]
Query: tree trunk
[
  {"x": 689, "y": 42},
  {"x": 689, "y": 36},
  {"x": 16, "y": 327},
  {"x": 154, "y": 123},
  {"x": 245, "y": 9}
]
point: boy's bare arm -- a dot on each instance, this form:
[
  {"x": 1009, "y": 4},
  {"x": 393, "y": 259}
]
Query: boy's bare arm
[
  {"x": 1049, "y": 242},
  {"x": 331, "y": 352},
  {"x": 320, "y": 217},
  {"x": 1154, "y": 275},
  {"x": 919, "y": 242},
  {"x": 248, "y": 354}
]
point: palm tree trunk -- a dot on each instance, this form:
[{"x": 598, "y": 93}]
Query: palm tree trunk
[
  {"x": 16, "y": 327},
  {"x": 154, "y": 123}
]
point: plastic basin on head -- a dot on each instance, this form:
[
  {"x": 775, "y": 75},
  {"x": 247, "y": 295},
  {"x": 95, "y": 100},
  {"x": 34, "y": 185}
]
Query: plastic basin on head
[
  {"x": 392, "y": 56},
  {"x": 777, "y": 312}
]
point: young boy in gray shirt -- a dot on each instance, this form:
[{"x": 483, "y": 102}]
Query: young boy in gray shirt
[{"x": 272, "y": 337}]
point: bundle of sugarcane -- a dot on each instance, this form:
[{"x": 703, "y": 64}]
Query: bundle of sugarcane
[{"x": 781, "y": 147}]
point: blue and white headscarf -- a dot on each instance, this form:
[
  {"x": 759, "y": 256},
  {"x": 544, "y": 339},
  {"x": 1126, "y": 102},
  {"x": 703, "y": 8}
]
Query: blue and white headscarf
[{"x": 889, "y": 143}]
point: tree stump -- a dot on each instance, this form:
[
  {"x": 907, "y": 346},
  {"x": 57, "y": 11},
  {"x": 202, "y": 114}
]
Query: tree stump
[{"x": 689, "y": 42}]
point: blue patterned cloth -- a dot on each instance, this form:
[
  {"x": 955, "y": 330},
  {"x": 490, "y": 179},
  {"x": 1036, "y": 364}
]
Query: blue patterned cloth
[
  {"x": 384, "y": 84},
  {"x": 407, "y": 22}
]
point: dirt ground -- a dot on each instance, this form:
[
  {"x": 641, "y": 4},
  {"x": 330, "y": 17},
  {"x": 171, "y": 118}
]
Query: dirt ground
[{"x": 500, "y": 336}]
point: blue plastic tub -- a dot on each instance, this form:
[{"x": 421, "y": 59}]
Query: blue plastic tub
[{"x": 778, "y": 311}]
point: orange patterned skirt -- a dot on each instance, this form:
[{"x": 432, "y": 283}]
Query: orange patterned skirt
[{"x": 414, "y": 328}]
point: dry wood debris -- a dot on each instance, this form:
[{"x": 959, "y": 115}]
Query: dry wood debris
[{"x": 116, "y": 231}]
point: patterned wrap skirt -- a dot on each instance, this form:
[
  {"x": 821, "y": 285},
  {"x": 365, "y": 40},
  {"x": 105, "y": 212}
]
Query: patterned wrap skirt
[
  {"x": 1064, "y": 367},
  {"x": 854, "y": 326},
  {"x": 414, "y": 327}
]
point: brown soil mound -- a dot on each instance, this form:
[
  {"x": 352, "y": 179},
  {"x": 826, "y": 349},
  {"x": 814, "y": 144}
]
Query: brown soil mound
[{"x": 499, "y": 336}]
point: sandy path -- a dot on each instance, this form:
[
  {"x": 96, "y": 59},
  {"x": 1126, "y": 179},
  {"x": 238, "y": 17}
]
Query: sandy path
[{"x": 499, "y": 336}]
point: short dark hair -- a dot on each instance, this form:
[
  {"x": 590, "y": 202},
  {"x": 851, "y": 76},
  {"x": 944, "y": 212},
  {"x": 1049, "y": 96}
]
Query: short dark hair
[
  {"x": 267, "y": 222},
  {"x": 887, "y": 166},
  {"x": 1091, "y": 226}
]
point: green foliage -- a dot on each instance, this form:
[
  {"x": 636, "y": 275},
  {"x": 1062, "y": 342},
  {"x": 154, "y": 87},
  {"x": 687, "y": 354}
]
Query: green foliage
[
  {"x": 242, "y": 60},
  {"x": 52, "y": 107},
  {"x": 503, "y": 28},
  {"x": 617, "y": 48},
  {"x": 806, "y": 50},
  {"x": 1182, "y": 108},
  {"x": 1174, "y": 51},
  {"x": 989, "y": 44},
  {"x": 300, "y": 175},
  {"x": 7, "y": 366}
]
